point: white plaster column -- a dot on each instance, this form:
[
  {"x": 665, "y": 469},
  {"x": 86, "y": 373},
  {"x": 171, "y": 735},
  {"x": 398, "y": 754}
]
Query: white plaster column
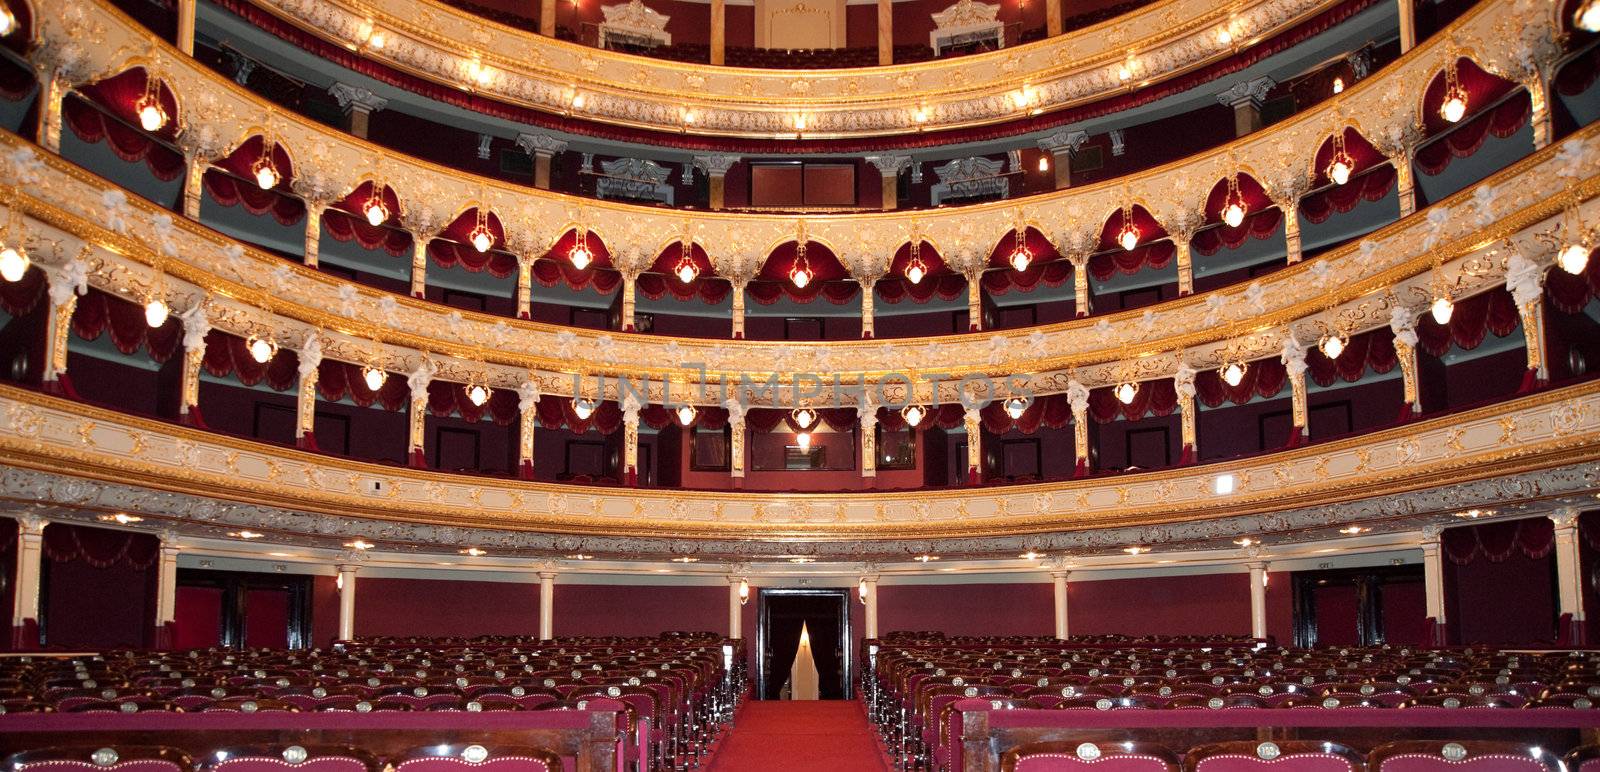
[
  {"x": 1569, "y": 572},
  {"x": 1404, "y": 325},
  {"x": 867, "y": 413},
  {"x": 418, "y": 382},
  {"x": 1525, "y": 281},
  {"x": 25, "y": 603},
  {"x": 543, "y": 148},
  {"x": 305, "y": 425},
  {"x": 630, "y": 439},
  {"x": 196, "y": 326},
  {"x": 1245, "y": 98},
  {"x": 1293, "y": 357},
  {"x": 1083, "y": 304},
  {"x": 347, "y": 601},
  {"x": 716, "y": 168},
  {"x": 547, "y": 605},
  {"x": 735, "y": 608},
  {"x": 889, "y": 168},
  {"x": 974, "y": 298},
  {"x": 1078, "y": 400},
  {"x": 1433, "y": 581},
  {"x": 527, "y": 422},
  {"x": 1062, "y": 144},
  {"x": 358, "y": 105},
  {"x": 1258, "y": 599},
  {"x": 166, "y": 591},
  {"x": 65, "y": 283},
  {"x": 974, "y": 426},
  {"x": 1059, "y": 580},
  {"x": 1183, "y": 384},
  {"x": 735, "y": 437},
  {"x": 871, "y": 603}
]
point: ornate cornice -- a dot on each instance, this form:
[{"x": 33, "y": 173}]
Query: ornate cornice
[
  {"x": 453, "y": 47},
  {"x": 1529, "y": 449}
]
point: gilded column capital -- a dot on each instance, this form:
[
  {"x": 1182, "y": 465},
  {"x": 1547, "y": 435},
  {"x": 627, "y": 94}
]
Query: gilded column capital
[
  {"x": 716, "y": 165},
  {"x": 356, "y": 98},
  {"x": 1064, "y": 140},
  {"x": 888, "y": 165}
]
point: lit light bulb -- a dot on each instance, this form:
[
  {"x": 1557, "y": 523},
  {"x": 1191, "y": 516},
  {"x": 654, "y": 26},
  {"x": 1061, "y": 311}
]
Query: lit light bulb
[
  {"x": 1572, "y": 258},
  {"x": 799, "y": 122},
  {"x": 1339, "y": 171},
  {"x": 1442, "y": 309},
  {"x": 1332, "y": 346},
  {"x": 1124, "y": 74},
  {"x": 744, "y": 591},
  {"x": 804, "y": 417},
  {"x": 375, "y": 210},
  {"x": 1044, "y": 163},
  {"x": 1233, "y": 374},
  {"x": 686, "y": 415},
  {"x": 261, "y": 349},
  {"x": 1455, "y": 105},
  {"x": 481, "y": 238},
  {"x": 921, "y": 115},
  {"x": 689, "y": 117},
  {"x": 800, "y": 275},
  {"x": 374, "y": 376},
  {"x": 916, "y": 271},
  {"x": 686, "y": 270},
  {"x": 1586, "y": 18},
  {"x": 14, "y": 263},
  {"x": 8, "y": 21},
  {"x": 266, "y": 173},
  {"x": 914, "y": 414},
  {"x": 1126, "y": 392},
  {"x": 151, "y": 116},
  {"x": 1338, "y": 85},
  {"x": 156, "y": 312},
  {"x": 577, "y": 101},
  {"x": 1015, "y": 407},
  {"x": 583, "y": 408},
  {"x": 1128, "y": 238},
  {"x": 1224, "y": 36},
  {"x": 803, "y": 439},
  {"x": 478, "y": 394},
  {"x": 580, "y": 255},
  {"x": 861, "y": 589},
  {"x": 1233, "y": 214},
  {"x": 1021, "y": 258}
]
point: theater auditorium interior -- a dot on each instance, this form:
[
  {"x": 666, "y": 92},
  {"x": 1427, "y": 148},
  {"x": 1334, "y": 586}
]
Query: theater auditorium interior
[{"x": 799, "y": 385}]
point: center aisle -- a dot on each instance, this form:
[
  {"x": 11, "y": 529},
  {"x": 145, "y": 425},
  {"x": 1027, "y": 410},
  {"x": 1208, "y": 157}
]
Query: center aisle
[{"x": 806, "y": 736}]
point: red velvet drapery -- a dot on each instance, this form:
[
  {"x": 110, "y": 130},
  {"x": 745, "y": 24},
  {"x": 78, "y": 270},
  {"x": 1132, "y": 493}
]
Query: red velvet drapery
[
  {"x": 1502, "y": 121},
  {"x": 1569, "y": 293},
  {"x": 1052, "y": 410},
  {"x": 1158, "y": 398},
  {"x": 942, "y": 417},
  {"x": 555, "y": 412},
  {"x": 1259, "y": 224},
  {"x": 1153, "y": 255},
  {"x": 829, "y": 278},
  {"x": 100, "y": 547},
  {"x": 660, "y": 417},
  {"x": 1534, "y": 537},
  {"x": 1493, "y": 311},
  {"x": 1372, "y": 350},
  {"x": 447, "y": 399},
  {"x": 230, "y": 355},
  {"x": 98, "y": 311},
  {"x": 19, "y": 298},
  {"x": 1262, "y": 378},
  {"x": 1052, "y": 274},
  {"x": 106, "y": 110},
  {"x": 343, "y": 226},
  {"x": 337, "y": 380},
  {"x": 662, "y": 278},
  {"x": 763, "y": 420},
  {"x": 452, "y": 247}
]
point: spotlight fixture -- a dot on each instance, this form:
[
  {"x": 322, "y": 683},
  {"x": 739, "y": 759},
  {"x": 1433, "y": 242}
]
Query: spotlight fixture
[
  {"x": 1245, "y": 542},
  {"x": 1128, "y": 237},
  {"x": 1352, "y": 530},
  {"x": 686, "y": 559},
  {"x": 913, "y": 414},
  {"x": 374, "y": 377},
  {"x": 480, "y": 236},
  {"x": 359, "y": 544},
  {"x": 804, "y": 417},
  {"x": 1338, "y": 85},
  {"x": 1233, "y": 208},
  {"x": 1224, "y": 36},
  {"x": 120, "y": 518},
  {"x": 1342, "y": 165},
  {"x": 264, "y": 171},
  {"x": 1015, "y": 407},
  {"x": 802, "y": 560},
  {"x": 744, "y": 591},
  {"x": 583, "y": 408},
  {"x": 579, "y": 556},
  {"x": 686, "y": 415},
  {"x": 376, "y": 211},
  {"x": 1586, "y": 18},
  {"x": 1031, "y": 555},
  {"x": 1136, "y": 550},
  {"x": 1044, "y": 163},
  {"x": 1021, "y": 256},
  {"x": 920, "y": 115},
  {"x": 925, "y": 558},
  {"x": 1126, "y": 391},
  {"x": 151, "y": 115},
  {"x": 916, "y": 270},
  {"x": 577, "y": 100},
  {"x": 1474, "y": 513},
  {"x": 156, "y": 311},
  {"x": 1454, "y": 106},
  {"x": 246, "y": 535},
  {"x": 474, "y": 552},
  {"x": 1573, "y": 256},
  {"x": 14, "y": 262},
  {"x": 262, "y": 347},
  {"x": 1233, "y": 373},
  {"x": 1332, "y": 345},
  {"x": 1442, "y": 308},
  {"x": 8, "y": 20},
  {"x": 580, "y": 255},
  {"x": 803, "y": 439},
  {"x": 478, "y": 393},
  {"x": 686, "y": 270}
]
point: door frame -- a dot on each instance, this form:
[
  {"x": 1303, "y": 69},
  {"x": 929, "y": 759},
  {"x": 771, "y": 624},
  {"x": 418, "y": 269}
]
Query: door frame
[{"x": 763, "y": 611}]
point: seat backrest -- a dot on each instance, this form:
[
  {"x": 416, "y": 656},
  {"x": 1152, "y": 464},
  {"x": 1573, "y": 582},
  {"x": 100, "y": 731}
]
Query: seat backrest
[
  {"x": 463, "y": 757},
  {"x": 1086, "y": 757},
  {"x": 1461, "y": 756},
  {"x": 290, "y": 758},
  {"x": 1252, "y": 756},
  {"x": 88, "y": 758}
]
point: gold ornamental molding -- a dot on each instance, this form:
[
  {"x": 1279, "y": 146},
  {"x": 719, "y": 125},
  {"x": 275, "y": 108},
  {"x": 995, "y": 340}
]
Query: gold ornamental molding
[
  {"x": 1546, "y": 430},
  {"x": 455, "y": 48},
  {"x": 1354, "y": 288}
]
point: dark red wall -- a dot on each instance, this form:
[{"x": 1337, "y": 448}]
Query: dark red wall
[
  {"x": 439, "y": 607},
  {"x": 1510, "y": 602},
  {"x": 1203, "y": 604},
  {"x": 968, "y": 609},
  {"x": 324, "y": 610},
  {"x": 98, "y": 608},
  {"x": 602, "y": 609}
]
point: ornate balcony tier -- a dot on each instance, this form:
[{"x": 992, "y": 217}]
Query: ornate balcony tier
[
  {"x": 460, "y": 50},
  {"x": 65, "y": 455},
  {"x": 1350, "y": 289}
]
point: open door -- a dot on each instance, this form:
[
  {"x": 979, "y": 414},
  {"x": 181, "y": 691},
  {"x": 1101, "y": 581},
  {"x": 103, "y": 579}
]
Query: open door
[{"x": 825, "y": 616}]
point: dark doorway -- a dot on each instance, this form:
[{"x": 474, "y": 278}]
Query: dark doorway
[
  {"x": 1360, "y": 607},
  {"x": 237, "y": 609},
  {"x": 826, "y": 616}
]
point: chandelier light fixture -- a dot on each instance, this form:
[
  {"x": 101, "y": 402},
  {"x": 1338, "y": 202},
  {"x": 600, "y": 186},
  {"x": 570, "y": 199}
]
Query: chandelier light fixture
[
  {"x": 1454, "y": 106},
  {"x": 861, "y": 590},
  {"x": 14, "y": 260},
  {"x": 1233, "y": 207},
  {"x": 686, "y": 270},
  {"x": 744, "y": 592},
  {"x": 1015, "y": 407},
  {"x": 1338, "y": 85},
  {"x": 804, "y": 417},
  {"x": 480, "y": 236},
  {"x": 1442, "y": 308},
  {"x": 580, "y": 255},
  {"x": 1128, "y": 237},
  {"x": 1573, "y": 255},
  {"x": 1021, "y": 256},
  {"x": 1233, "y": 373},
  {"x": 913, "y": 414},
  {"x": 479, "y": 393},
  {"x": 151, "y": 115},
  {"x": 1586, "y": 17},
  {"x": 1342, "y": 165},
  {"x": 1333, "y": 344},
  {"x": 374, "y": 376},
  {"x": 8, "y": 20},
  {"x": 803, "y": 439},
  {"x": 583, "y": 407},
  {"x": 264, "y": 171},
  {"x": 156, "y": 309},
  {"x": 686, "y": 414},
  {"x": 800, "y": 273},
  {"x": 1126, "y": 391},
  {"x": 376, "y": 211},
  {"x": 262, "y": 347},
  {"x": 916, "y": 270}
]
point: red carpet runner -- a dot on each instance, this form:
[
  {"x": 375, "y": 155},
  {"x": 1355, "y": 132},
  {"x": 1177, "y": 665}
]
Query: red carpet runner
[{"x": 810, "y": 736}]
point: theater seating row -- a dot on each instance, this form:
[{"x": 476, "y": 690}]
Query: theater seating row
[
  {"x": 1252, "y": 756},
  {"x": 158, "y": 758}
]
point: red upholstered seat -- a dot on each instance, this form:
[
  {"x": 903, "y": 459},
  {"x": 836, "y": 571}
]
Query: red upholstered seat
[
  {"x": 1089, "y": 757},
  {"x": 1463, "y": 756},
  {"x": 464, "y": 757},
  {"x": 291, "y": 758},
  {"x": 1250, "y": 756},
  {"x": 139, "y": 758}
]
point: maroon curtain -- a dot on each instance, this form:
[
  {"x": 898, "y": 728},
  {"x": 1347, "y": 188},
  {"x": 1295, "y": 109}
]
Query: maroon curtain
[
  {"x": 19, "y": 298},
  {"x": 446, "y": 399},
  {"x": 947, "y": 286},
  {"x": 837, "y": 292},
  {"x": 1259, "y": 224},
  {"x": 829, "y": 278},
  {"x": 1374, "y": 350},
  {"x": 447, "y": 254},
  {"x": 709, "y": 289},
  {"x": 1158, "y": 398},
  {"x": 1052, "y": 410},
  {"x": 235, "y": 191},
  {"x": 1263, "y": 377},
  {"x": 343, "y": 226},
  {"x": 230, "y": 355},
  {"x": 660, "y": 417},
  {"x": 550, "y": 272},
  {"x": 1534, "y": 537},
  {"x": 1569, "y": 293},
  {"x": 337, "y": 380},
  {"x": 1155, "y": 256},
  {"x": 100, "y": 547},
  {"x": 106, "y": 110},
  {"x": 942, "y": 417},
  {"x": 1464, "y": 140},
  {"x": 555, "y": 412},
  {"x": 1052, "y": 274},
  {"x": 839, "y": 419},
  {"x": 1493, "y": 311},
  {"x": 1369, "y": 185},
  {"x": 98, "y": 311}
]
